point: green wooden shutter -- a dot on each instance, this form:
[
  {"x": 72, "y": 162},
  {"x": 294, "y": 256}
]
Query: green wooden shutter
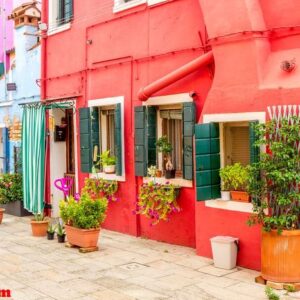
[
  {"x": 95, "y": 135},
  {"x": 140, "y": 141},
  {"x": 207, "y": 161},
  {"x": 188, "y": 118},
  {"x": 85, "y": 140},
  {"x": 118, "y": 139},
  {"x": 151, "y": 119},
  {"x": 68, "y": 10},
  {"x": 254, "y": 150}
]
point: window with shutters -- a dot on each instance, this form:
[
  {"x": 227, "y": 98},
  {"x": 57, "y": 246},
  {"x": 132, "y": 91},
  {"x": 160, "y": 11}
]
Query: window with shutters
[
  {"x": 102, "y": 129},
  {"x": 60, "y": 15},
  {"x": 176, "y": 122}
]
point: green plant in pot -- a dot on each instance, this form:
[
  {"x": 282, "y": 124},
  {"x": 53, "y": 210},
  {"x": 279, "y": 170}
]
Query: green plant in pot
[
  {"x": 274, "y": 186},
  {"x": 235, "y": 178},
  {"x": 82, "y": 219},
  {"x": 60, "y": 231},
  {"x": 50, "y": 231},
  {"x": 108, "y": 162},
  {"x": 225, "y": 184},
  {"x": 39, "y": 225},
  {"x": 165, "y": 147}
]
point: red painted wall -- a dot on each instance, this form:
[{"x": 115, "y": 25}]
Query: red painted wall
[{"x": 128, "y": 50}]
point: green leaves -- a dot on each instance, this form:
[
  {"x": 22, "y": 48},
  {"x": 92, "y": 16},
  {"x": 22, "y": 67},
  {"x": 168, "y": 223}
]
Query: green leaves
[
  {"x": 85, "y": 214},
  {"x": 11, "y": 188},
  {"x": 163, "y": 145},
  {"x": 275, "y": 180}
]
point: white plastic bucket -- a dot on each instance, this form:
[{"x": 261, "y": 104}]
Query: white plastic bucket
[{"x": 224, "y": 249}]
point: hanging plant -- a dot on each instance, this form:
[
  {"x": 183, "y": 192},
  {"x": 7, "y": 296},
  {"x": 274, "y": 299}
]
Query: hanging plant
[
  {"x": 101, "y": 188},
  {"x": 157, "y": 202}
]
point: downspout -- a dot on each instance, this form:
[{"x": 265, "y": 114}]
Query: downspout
[{"x": 174, "y": 76}]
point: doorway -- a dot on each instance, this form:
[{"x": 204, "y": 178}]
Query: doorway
[{"x": 62, "y": 153}]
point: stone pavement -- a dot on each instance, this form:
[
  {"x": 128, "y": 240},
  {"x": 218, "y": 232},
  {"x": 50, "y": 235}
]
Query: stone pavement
[{"x": 125, "y": 268}]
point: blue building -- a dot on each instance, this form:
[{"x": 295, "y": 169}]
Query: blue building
[{"x": 21, "y": 84}]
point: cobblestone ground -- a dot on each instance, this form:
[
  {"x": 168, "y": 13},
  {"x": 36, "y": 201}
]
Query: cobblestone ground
[{"x": 125, "y": 268}]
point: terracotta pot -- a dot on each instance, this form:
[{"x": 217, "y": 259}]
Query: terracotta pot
[
  {"x": 84, "y": 238},
  {"x": 2, "y": 210},
  {"x": 39, "y": 228},
  {"x": 280, "y": 256},
  {"x": 158, "y": 173},
  {"x": 240, "y": 196}
]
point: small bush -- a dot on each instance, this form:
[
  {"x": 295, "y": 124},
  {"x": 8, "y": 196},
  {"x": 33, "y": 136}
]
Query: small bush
[{"x": 11, "y": 189}]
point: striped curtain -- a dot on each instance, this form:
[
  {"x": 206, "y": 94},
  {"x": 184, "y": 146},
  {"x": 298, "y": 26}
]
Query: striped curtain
[{"x": 33, "y": 157}]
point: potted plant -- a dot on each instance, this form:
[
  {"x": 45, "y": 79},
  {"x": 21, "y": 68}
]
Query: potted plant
[
  {"x": 236, "y": 178},
  {"x": 225, "y": 183},
  {"x": 50, "y": 231},
  {"x": 60, "y": 231},
  {"x": 157, "y": 202},
  {"x": 99, "y": 188},
  {"x": 108, "y": 162},
  {"x": 39, "y": 225},
  {"x": 2, "y": 210},
  {"x": 274, "y": 186},
  {"x": 82, "y": 219},
  {"x": 11, "y": 195},
  {"x": 165, "y": 147}
]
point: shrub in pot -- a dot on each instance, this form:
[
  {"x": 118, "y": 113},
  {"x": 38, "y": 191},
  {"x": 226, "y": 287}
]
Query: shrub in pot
[
  {"x": 165, "y": 147},
  {"x": 236, "y": 178},
  {"x": 274, "y": 186},
  {"x": 225, "y": 180},
  {"x": 60, "y": 232},
  {"x": 108, "y": 162},
  {"x": 39, "y": 225},
  {"x": 50, "y": 231},
  {"x": 82, "y": 219},
  {"x": 11, "y": 195}
]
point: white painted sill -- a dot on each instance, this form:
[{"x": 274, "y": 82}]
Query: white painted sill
[
  {"x": 5, "y": 103},
  {"x": 154, "y": 2},
  {"x": 175, "y": 181},
  {"x": 59, "y": 29},
  {"x": 230, "y": 205},
  {"x": 107, "y": 176},
  {"x": 120, "y": 7}
]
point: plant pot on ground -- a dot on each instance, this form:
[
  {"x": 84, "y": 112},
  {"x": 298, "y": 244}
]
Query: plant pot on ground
[
  {"x": 50, "y": 231},
  {"x": 235, "y": 179},
  {"x": 108, "y": 162},
  {"x": 2, "y": 210},
  {"x": 165, "y": 147},
  {"x": 83, "y": 219},
  {"x": 274, "y": 186},
  {"x": 60, "y": 232},
  {"x": 39, "y": 225}
]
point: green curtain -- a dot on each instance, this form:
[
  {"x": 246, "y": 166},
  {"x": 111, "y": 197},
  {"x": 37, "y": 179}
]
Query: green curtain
[{"x": 33, "y": 157}]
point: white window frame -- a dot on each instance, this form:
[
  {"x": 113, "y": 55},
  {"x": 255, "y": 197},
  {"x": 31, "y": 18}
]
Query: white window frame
[
  {"x": 120, "y": 5},
  {"x": 53, "y": 26},
  {"x": 225, "y": 118},
  {"x": 161, "y": 101},
  {"x": 108, "y": 102}
]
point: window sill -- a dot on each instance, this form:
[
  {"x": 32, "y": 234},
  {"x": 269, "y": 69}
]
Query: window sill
[
  {"x": 175, "y": 181},
  {"x": 5, "y": 103},
  {"x": 107, "y": 176},
  {"x": 154, "y": 2},
  {"x": 230, "y": 205},
  {"x": 59, "y": 29},
  {"x": 128, "y": 5}
]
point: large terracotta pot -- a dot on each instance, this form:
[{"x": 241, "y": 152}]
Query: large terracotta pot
[
  {"x": 280, "y": 256},
  {"x": 84, "y": 238},
  {"x": 39, "y": 228},
  {"x": 2, "y": 210}
]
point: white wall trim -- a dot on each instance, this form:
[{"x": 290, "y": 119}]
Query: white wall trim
[
  {"x": 113, "y": 101},
  {"x": 235, "y": 117},
  {"x": 169, "y": 99},
  {"x": 2, "y": 125},
  {"x": 230, "y": 205},
  {"x": 108, "y": 176},
  {"x": 6, "y": 103},
  {"x": 58, "y": 29},
  {"x": 120, "y": 5},
  {"x": 153, "y": 2}
]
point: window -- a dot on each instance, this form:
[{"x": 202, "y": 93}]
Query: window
[
  {"x": 177, "y": 122},
  {"x": 121, "y": 5},
  {"x": 101, "y": 129},
  {"x": 60, "y": 14}
]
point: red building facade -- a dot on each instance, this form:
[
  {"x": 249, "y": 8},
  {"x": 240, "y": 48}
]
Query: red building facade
[{"x": 112, "y": 59}]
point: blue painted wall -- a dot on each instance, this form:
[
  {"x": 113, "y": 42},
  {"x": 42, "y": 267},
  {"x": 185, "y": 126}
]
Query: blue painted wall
[{"x": 25, "y": 74}]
